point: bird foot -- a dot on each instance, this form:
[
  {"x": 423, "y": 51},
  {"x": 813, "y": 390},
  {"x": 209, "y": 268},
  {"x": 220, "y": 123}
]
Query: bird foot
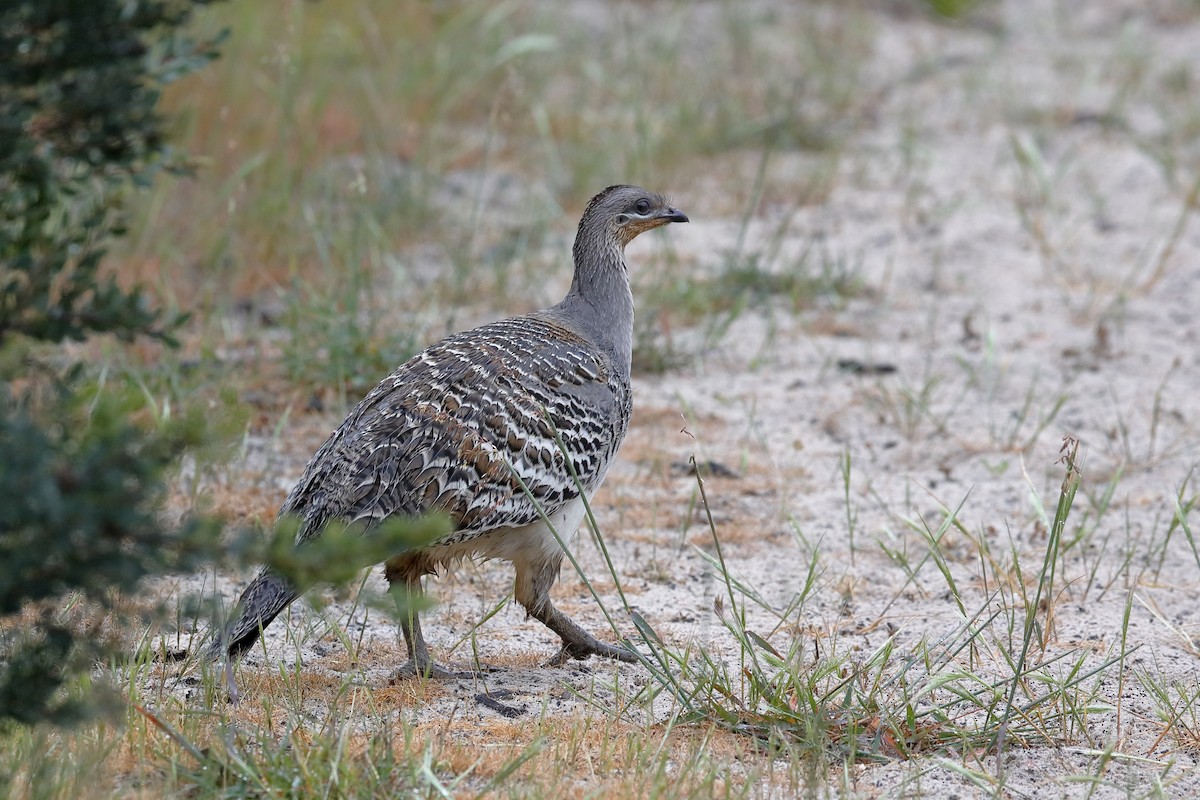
[
  {"x": 411, "y": 670},
  {"x": 584, "y": 649}
]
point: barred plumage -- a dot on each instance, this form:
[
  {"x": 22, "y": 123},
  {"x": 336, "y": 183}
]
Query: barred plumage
[
  {"x": 459, "y": 427},
  {"x": 441, "y": 431}
]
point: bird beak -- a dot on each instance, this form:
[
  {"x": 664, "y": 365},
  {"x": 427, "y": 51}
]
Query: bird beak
[{"x": 672, "y": 215}]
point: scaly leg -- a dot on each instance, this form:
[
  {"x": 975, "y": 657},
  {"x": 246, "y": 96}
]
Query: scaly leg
[
  {"x": 532, "y": 590},
  {"x": 404, "y": 584}
]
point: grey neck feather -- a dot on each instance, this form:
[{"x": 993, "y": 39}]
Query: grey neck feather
[{"x": 599, "y": 304}]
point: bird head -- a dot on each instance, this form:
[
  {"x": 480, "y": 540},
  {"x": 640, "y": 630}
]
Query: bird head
[{"x": 626, "y": 211}]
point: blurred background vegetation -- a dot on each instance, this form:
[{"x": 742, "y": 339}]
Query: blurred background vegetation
[{"x": 371, "y": 176}]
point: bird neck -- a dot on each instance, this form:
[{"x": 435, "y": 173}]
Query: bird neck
[{"x": 600, "y": 301}]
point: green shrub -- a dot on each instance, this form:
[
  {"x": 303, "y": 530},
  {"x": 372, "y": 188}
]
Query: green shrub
[{"x": 81, "y": 480}]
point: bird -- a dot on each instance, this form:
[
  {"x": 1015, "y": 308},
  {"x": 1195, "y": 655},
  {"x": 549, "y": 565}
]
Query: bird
[{"x": 506, "y": 429}]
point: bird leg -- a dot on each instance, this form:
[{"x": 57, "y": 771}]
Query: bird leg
[
  {"x": 577, "y": 643},
  {"x": 404, "y": 584},
  {"x": 532, "y": 590}
]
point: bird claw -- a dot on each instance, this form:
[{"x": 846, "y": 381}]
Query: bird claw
[
  {"x": 581, "y": 651},
  {"x": 412, "y": 670}
]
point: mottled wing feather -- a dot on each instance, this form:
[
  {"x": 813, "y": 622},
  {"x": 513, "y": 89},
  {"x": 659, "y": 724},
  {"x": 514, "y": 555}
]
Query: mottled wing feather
[{"x": 453, "y": 428}]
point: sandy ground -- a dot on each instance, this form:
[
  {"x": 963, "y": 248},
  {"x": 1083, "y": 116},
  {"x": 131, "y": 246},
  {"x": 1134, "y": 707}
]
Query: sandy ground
[{"x": 1029, "y": 269}]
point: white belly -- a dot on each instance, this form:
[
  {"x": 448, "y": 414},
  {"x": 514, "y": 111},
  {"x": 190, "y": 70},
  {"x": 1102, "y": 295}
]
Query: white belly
[{"x": 529, "y": 544}]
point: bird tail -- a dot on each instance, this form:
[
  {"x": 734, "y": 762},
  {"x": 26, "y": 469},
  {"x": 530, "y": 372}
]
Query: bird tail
[{"x": 264, "y": 599}]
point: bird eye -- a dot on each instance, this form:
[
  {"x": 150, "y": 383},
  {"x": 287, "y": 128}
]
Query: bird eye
[{"x": 643, "y": 206}]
